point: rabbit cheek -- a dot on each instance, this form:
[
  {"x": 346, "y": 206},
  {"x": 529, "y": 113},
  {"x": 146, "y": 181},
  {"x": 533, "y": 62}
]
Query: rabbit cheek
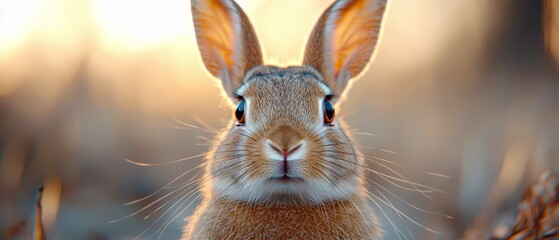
[
  {"x": 335, "y": 158},
  {"x": 232, "y": 160},
  {"x": 225, "y": 157}
]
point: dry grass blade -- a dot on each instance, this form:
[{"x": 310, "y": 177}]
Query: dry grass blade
[
  {"x": 38, "y": 231},
  {"x": 538, "y": 212}
]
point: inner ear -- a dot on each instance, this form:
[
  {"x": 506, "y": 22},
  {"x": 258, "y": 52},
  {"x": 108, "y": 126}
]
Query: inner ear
[
  {"x": 226, "y": 40},
  {"x": 344, "y": 39}
]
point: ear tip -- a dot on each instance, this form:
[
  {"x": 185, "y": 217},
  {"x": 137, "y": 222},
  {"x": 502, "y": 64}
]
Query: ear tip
[
  {"x": 194, "y": 3},
  {"x": 346, "y": 3},
  {"x": 213, "y": 3},
  {"x": 343, "y": 41}
]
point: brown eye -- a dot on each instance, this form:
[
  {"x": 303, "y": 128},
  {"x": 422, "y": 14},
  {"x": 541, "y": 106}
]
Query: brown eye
[
  {"x": 329, "y": 112},
  {"x": 240, "y": 112}
]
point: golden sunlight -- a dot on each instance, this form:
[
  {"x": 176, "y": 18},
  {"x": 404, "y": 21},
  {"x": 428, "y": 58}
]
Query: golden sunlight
[
  {"x": 456, "y": 88},
  {"x": 141, "y": 23},
  {"x": 16, "y": 18}
]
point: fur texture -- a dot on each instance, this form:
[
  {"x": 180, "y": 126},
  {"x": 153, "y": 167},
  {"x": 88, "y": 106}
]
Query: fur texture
[
  {"x": 350, "y": 219},
  {"x": 284, "y": 173}
]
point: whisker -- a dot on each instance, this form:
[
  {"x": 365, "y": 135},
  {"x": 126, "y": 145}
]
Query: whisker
[
  {"x": 399, "y": 215},
  {"x": 183, "y": 198},
  {"x": 141, "y": 164},
  {"x": 373, "y": 158},
  {"x": 400, "y": 186},
  {"x": 370, "y": 118},
  {"x": 381, "y": 149},
  {"x": 163, "y": 205},
  {"x": 204, "y": 139},
  {"x": 194, "y": 129},
  {"x": 168, "y": 222},
  {"x": 205, "y": 125},
  {"x": 404, "y": 179},
  {"x": 365, "y": 134},
  {"x": 415, "y": 185},
  {"x": 166, "y": 185},
  {"x": 409, "y": 204},
  {"x": 404, "y": 215},
  {"x": 186, "y": 124},
  {"x": 147, "y": 206},
  {"x": 397, "y": 230},
  {"x": 385, "y": 176}
]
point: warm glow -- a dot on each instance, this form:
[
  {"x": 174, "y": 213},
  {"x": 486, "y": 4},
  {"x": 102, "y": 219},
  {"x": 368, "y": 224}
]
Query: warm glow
[
  {"x": 283, "y": 27},
  {"x": 141, "y": 23},
  {"x": 86, "y": 83},
  {"x": 39, "y": 42},
  {"x": 140, "y": 53},
  {"x": 16, "y": 19}
]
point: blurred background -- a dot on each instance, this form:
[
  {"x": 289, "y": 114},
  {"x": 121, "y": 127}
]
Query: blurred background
[{"x": 466, "y": 89}]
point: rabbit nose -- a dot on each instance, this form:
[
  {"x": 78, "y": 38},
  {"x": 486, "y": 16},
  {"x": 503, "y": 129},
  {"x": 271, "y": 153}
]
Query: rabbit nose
[
  {"x": 285, "y": 157},
  {"x": 286, "y": 154},
  {"x": 285, "y": 143},
  {"x": 285, "y": 137}
]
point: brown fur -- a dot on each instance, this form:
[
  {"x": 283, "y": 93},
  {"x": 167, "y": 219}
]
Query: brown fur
[
  {"x": 332, "y": 220},
  {"x": 248, "y": 191}
]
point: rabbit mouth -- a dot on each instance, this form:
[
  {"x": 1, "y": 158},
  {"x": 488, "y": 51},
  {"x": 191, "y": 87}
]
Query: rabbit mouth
[{"x": 286, "y": 179}]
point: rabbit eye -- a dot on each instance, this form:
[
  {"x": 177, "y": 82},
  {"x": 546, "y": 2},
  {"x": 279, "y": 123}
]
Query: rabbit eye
[
  {"x": 240, "y": 112},
  {"x": 329, "y": 112}
]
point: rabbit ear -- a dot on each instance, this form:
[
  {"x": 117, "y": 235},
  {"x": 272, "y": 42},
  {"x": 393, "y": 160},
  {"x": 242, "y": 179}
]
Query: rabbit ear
[
  {"x": 343, "y": 40},
  {"x": 226, "y": 40}
]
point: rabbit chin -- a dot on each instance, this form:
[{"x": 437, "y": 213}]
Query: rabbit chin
[{"x": 282, "y": 191}]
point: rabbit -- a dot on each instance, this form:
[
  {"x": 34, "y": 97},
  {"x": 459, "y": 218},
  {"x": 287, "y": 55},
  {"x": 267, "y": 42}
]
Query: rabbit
[{"x": 285, "y": 168}]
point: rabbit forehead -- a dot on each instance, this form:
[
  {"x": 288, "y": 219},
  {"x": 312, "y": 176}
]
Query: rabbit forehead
[{"x": 290, "y": 93}]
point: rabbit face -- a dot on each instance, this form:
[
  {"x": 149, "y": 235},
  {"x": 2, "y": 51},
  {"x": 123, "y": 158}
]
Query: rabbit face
[
  {"x": 284, "y": 151},
  {"x": 287, "y": 145}
]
